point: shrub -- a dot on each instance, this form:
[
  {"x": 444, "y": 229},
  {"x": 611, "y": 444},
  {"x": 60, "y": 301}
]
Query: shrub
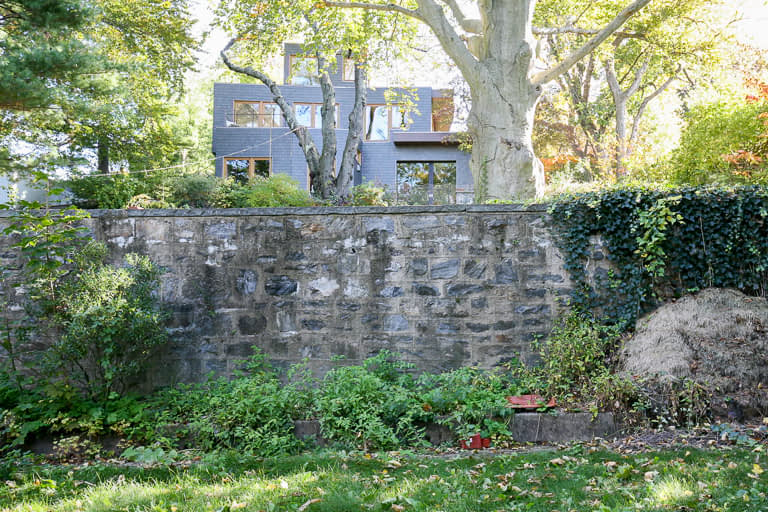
[
  {"x": 470, "y": 400},
  {"x": 110, "y": 192},
  {"x": 712, "y": 133},
  {"x": 110, "y": 322},
  {"x": 368, "y": 194},
  {"x": 251, "y": 412},
  {"x": 357, "y": 404},
  {"x": 277, "y": 190},
  {"x": 195, "y": 190}
]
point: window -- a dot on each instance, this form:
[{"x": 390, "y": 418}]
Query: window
[
  {"x": 303, "y": 71},
  {"x": 257, "y": 114},
  {"x": 377, "y": 122},
  {"x": 310, "y": 114},
  {"x": 426, "y": 183},
  {"x": 348, "y": 70},
  {"x": 244, "y": 169},
  {"x": 380, "y": 119}
]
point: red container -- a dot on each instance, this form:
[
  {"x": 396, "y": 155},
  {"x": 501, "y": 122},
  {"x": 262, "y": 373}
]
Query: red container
[{"x": 476, "y": 442}]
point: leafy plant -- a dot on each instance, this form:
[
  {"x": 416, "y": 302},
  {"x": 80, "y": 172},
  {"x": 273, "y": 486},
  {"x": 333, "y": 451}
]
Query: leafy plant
[
  {"x": 251, "y": 412},
  {"x": 469, "y": 400},
  {"x": 110, "y": 323},
  {"x": 368, "y": 194},
  {"x": 660, "y": 244}
]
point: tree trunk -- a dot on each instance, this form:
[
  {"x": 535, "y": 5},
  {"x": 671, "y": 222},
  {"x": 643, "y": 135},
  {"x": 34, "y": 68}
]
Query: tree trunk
[
  {"x": 503, "y": 163},
  {"x": 322, "y": 178},
  {"x": 621, "y": 137},
  {"x": 102, "y": 155},
  {"x": 354, "y": 137},
  {"x": 504, "y": 101}
]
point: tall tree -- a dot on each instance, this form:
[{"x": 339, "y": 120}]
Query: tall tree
[
  {"x": 495, "y": 53},
  {"x": 613, "y": 87},
  {"x": 261, "y": 28}
]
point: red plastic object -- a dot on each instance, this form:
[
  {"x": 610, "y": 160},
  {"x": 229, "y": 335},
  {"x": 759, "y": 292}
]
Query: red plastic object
[
  {"x": 529, "y": 402},
  {"x": 476, "y": 442}
]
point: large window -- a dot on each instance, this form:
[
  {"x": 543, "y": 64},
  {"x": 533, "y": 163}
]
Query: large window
[
  {"x": 244, "y": 169},
  {"x": 426, "y": 183},
  {"x": 257, "y": 114},
  {"x": 380, "y": 119},
  {"x": 303, "y": 71},
  {"x": 310, "y": 114}
]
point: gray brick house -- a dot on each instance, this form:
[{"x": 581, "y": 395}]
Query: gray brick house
[{"x": 407, "y": 153}]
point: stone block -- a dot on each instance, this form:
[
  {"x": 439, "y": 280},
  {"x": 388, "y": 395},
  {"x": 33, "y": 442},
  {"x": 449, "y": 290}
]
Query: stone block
[
  {"x": 445, "y": 269},
  {"x": 280, "y": 285},
  {"x": 562, "y": 427}
]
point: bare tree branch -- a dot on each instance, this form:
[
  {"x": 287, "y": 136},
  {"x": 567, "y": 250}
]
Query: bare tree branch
[
  {"x": 376, "y": 7},
  {"x": 639, "y": 74},
  {"x": 644, "y": 104},
  {"x": 471, "y": 25},
  {"x": 308, "y": 145},
  {"x": 571, "y": 29},
  {"x": 577, "y": 55},
  {"x": 433, "y": 15}
]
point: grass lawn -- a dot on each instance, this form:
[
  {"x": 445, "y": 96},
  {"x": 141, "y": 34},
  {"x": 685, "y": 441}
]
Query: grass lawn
[{"x": 575, "y": 479}]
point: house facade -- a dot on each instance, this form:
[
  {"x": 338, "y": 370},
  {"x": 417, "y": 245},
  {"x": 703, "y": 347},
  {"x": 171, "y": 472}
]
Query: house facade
[{"x": 406, "y": 151}]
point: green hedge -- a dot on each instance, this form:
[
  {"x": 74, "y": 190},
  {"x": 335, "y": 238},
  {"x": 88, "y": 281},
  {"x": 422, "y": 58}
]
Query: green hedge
[{"x": 662, "y": 244}]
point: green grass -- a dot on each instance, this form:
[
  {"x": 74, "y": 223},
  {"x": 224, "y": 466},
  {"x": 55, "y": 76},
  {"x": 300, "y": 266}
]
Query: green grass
[{"x": 571, "y": 480}]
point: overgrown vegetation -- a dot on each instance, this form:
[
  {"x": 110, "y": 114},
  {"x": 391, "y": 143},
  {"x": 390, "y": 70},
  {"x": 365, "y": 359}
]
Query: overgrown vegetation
[
  {"x": 662, "y": 243},
  {"x": 87, "y": 330}
]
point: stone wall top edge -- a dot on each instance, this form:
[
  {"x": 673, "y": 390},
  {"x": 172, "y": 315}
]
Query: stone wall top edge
[{"x": 314, "y": 210}]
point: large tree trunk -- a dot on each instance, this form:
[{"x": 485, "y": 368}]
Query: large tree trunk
[
  {"x": 503, "y": 163},
  {"x": 354, "y": 137},
  {"x": 322, "y": 178},
  {"x": 504, "y": 101}
]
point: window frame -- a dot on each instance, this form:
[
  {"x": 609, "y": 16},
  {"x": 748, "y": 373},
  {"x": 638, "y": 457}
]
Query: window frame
[
  {"x": 316, "y": 117},
  {"x": 390, "y": 117},
  {"x": 261, "y": 115},
  {"x": 251, "y": 164}
]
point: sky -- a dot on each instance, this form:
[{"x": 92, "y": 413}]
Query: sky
[{"x": 752, "y": 29}]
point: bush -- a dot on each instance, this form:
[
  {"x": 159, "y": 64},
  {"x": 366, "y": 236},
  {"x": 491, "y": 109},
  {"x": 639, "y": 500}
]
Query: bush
[
  {"x": 469, "y": 400},
  {"x": 251, "y": 412},
  {"x": 363, "y": 405},
  {"x": 368, "y": 194},
  {"x": 109, "y": 192},
  {"x": 714, "y": 131},
  {"x": 110, "y": 322},
  {"x": 195, "y": 190},
  {"x": 277, "y": 190}
]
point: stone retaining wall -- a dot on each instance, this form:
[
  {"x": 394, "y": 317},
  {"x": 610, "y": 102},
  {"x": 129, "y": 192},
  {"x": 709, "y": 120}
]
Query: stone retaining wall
[{"x": 444, "y": 286}]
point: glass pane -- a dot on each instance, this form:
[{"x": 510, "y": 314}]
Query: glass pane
[
  {"x": 238, "y": 170},
  {"x": 400, "y": 119},
  {"x": 377, "y": 122},
  {"x": 445, "y": 173},
  {"x": 303, "y": 114},
  {"x": 261, "y": 168},
  {"x": 247, "y": 114},
  {"x": 413, "y": 182},
  {"x": 304, "y": 71},
  {"x": 444, "y": 191},
  {"x": 349, "y": 70},
  {"x": 272, "y": 117}
]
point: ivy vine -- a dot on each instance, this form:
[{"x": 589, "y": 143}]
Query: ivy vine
[{"x": 662, "y": 244}]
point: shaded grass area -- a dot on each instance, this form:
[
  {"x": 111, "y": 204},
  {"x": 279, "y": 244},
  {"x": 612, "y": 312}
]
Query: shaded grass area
[{"x": 574, "y": 479}]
